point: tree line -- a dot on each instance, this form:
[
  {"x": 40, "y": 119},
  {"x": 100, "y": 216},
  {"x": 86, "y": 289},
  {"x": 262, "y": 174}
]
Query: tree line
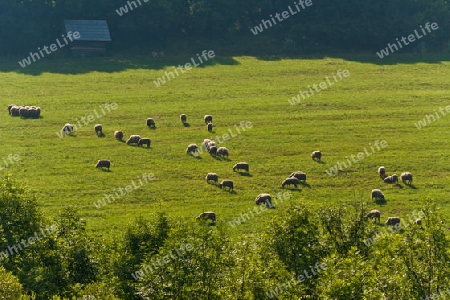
[
  {"x": 332, "y": 253},
  {"x": 305, "y": 27}
]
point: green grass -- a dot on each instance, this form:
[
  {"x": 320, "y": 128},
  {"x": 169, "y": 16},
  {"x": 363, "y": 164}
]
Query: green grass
[{"x": 376, "y": 102}]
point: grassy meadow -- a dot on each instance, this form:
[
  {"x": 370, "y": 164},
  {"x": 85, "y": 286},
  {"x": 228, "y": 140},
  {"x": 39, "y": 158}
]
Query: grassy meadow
[{"x": 379, "y": 100}]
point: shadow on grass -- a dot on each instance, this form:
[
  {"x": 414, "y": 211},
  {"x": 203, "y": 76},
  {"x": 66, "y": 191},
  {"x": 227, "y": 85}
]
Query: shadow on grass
[
  {"x": 245, "y": 174},
  {"x": 305, "y": 184},
  {"x": 411, "y": 186},
  {"x": 380, "y": 201},
  {"x": 186, "y": 125}
]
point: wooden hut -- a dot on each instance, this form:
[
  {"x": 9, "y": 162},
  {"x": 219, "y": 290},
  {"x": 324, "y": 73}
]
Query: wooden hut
[{"x": 94, "y": 37}]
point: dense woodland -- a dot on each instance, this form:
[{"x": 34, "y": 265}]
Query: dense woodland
[
  {"x": 177, "y": 25},
  {"x": 333, "y": 253}
]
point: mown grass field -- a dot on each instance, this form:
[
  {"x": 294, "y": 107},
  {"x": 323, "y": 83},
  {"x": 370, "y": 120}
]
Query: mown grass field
[{"x": 380, "y": 100}]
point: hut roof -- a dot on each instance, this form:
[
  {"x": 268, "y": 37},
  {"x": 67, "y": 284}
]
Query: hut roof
[{"x": 90, "y": 30}]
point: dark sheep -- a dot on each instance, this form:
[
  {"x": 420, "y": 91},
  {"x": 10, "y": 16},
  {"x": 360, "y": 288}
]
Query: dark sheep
[
  {"x": 209, "y": 127},
  {"x": 382, "y": 172},
  {"x": 212, "y": 177},
  {"x": 406, "y": 177},
  {"x": 241, "y": 166},
  {"x": 24, "y": 112},
  {"x": 9, "y": 108},
  {"x": 15, "y": 111},
  {"x": 98, "y": 129},
  {"x": 299, "y": 175},
  {"x": 392, "y": 221},
  {"x": 391, "y": 179},
  {"x": 208, "y": 119},
  {"x": 316, "y": 155},
  {"x": 227, "y": 183},
  {"x": 183, "y": 118},
  {"x": 377, "y": 194},
  {"x": 67, "y": 129},
  {"x": 289, "y": 181},
  {"x": 118, "y": 134},
  {"x": 192, "y": 148},
  {"x": 374, "y": 215},
  {"x": 103, "y": 163},
  {"x": 264, "y": 198},
  {"x": 151, "y": 123},
  {"x": 212, "y": 150},
  {"x": 144, "y": 141},
  {"x": 418, "y": 222},
  {"x": 222, "y": 151},
  {"x": 133, "y": 139},
  {"x": 207, "y": 215}
]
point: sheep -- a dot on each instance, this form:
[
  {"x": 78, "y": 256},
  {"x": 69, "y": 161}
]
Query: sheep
[
  {"x": 144, "y": 141},
  {"x": 418, "y": 222},
  {"x": 241, "y": 166},
  {"x": 207, "y": 215},
  {"x": 391, "y": 179},
  {"x": 211, "y": 144},
  {"x": 377, "y": 194},
  {"x": 24, "y": 112},
  {"x": 374, "y": 215},
  {"x": 183, "y": 118},
  {"x": 392, "y": 221},
  {"x": 382, "y": 172},
  {"x": 208, "y": 119},
  {"x": 15, "y": 111},
  {"x": 192, "y": 148},
  {"x": 222, "y": 151},
  {"x": 67, "y": 129},
  {"x": 213, "y": 150},
  {"x": 205, "y": 143},
  {"x": 98, "y": 129},
  {"x": 34, "y": 112},
  {"x": 289, "y": 181},
  {"x": 209, "y": 127},
  {"x": 9, "y": 108},
  {"x": 406, "y": 177},
  {"x": 299, "y": 175},
  {"x": 151, "y": 123},
  {"x": 133, "y": 139},
  {"x": 118, "y": 134},
  {"x": 226, "y": 183},
  {"x": 316, "y": 155},
  {"x": 103, "y": 163},
  {"x": 264, "y": 198},
  {"x": 212, "y": 177}
]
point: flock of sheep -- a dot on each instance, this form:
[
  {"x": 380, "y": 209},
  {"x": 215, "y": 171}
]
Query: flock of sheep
[
  {"x": 406, "y": 178},
  {"x": 24, "y": 111}
]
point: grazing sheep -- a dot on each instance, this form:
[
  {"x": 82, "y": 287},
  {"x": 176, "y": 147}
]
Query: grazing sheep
[
  {"x": 34, "y": 112},
  {"x": 67, "y": 129},
  {"x": 299, "y": 175},
  {"x": 183, "y": 118},
  {"x": 192, "y": 148},
  {"x": 377, "y": 194},
  {"x": 212, "y": 150},
  {"x": 212, "y": 176},
  {"x": 144, "y": 141},
  {"x": 98, "y": 129},
  {"x": 151, "y": 123},
  {"x": 382, "y": 172},
  {"x": 227, "y": 183},
  {"x": 289, "y": 181},
  {"x": 103, "y": 163},
  {"x": 392, "y": 221},
  {"x": 9, "y": 108},
  {"x": 118, "y": 134},
  {"x": 264, "y": 198},
  {"x": 24, "y": 112},
  {"x": 222, "y": 151},
  {"x": 391, "y": 179},
  {"x": 418, "y": 222},
  {"x": 209, "y": 127},
  {"x": 316, "y": 155},
  {"x": 207, "y": 215},
  {"x": 15, "y": 111},
  {"x": 205, "y": 143},
  {"x": 208, "y": 119},
  {"x": 211, "y": 144},
  {"x": 241, "y": 166},
  {"x": 374, "y": 215},
  {"x": 406, "y": 177},
  {"x": 133, "y": 139}
]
